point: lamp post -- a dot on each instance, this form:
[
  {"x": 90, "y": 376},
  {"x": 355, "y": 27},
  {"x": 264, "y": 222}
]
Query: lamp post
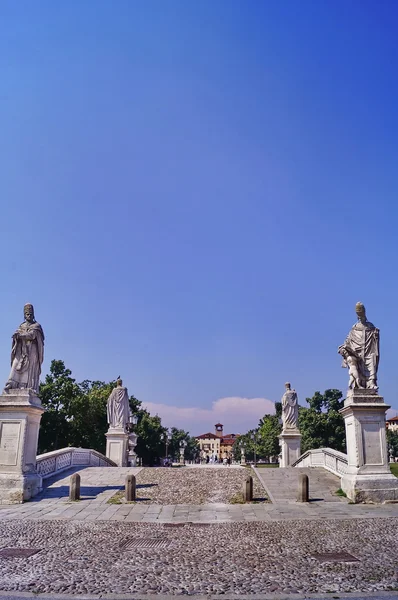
[
  {"x": 254, "y": 438},
  {"x": 242, "y": 453},
  {"x": 183, "y": 445},
  {"x": 132, "y": 457}
]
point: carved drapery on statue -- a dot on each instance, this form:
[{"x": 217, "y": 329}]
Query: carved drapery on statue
[
  {"x": 118, "y": 407},
  {"x": 27, "y": 354},
  {"x": 289, "y": 409},
  {"x": 361, "y": 352}
]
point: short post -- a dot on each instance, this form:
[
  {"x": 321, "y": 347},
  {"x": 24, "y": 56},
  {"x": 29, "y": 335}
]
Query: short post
[
  {"x": 248, "y": 489},
  {"x": 303, "y": 488},
  {"x": 74, "y": 487},
  {"x": 130, "y": 488}
]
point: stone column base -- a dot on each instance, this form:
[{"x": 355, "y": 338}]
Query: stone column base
[
  {"x": 15, "y": 489},
  {"x": 290, "y": 443},
  {"x": 371, "y": 489},
  {"x": 117, "y": 446},
  {"x": 20, "y": 414}
]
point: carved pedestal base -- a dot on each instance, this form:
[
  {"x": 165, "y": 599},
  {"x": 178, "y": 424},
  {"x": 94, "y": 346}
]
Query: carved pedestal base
[
  {"x": 20, "y": 415},
  {"x": 368, "y": 477},
  {"x": 132, "y": 457},
  {"x": 117, "y": 446},
  {"x": 290, "y": 443}
]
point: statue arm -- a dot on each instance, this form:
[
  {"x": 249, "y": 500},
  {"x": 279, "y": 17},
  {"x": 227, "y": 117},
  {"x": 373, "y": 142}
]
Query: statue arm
[{"x": 14, "y": 347}]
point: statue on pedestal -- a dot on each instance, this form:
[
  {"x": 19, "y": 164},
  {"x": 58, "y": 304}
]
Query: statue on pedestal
[
  {"x": 26, "y": 354},
  {"x": 289, "y": 409},
  {"x": 118, "y": 407},
  {"x": 360, "y": 352}
]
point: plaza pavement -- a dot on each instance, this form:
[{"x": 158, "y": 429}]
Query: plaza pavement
[
  {"x": 99, "y": 484},
  {"x": 143, "y": 551}
]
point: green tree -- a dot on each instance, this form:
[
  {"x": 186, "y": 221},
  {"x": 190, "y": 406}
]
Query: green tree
[
  {"x": 149, "y": 444},
  {"x": 392, "y": 442},
  {"x": 249, "y": 445},
  {"x": 191, "y": 449},
  {"x": 268, "y": 431},
  {"x": 321, "y": 425},
  {"x": 89, "y": 416},
  {"x": 57, "y": 394}
]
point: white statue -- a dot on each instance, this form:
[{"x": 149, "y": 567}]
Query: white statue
[
  {"x": 26, "y": 354},
  {"x": 289, "y": 409},
  {"x": 118, "y": 407},
  {"x": 360, "y": 352}
]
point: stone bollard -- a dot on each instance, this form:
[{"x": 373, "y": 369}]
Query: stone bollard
[
  {"x": 74, "y": 487},
  {"x": 248, "y": 489},
  {"x": 303, "y": 488},
  {"x": 130, "y": 488}
]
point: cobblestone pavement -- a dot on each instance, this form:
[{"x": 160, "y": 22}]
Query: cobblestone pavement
[
  {"x": 194, "y": 486},
  {"x": 230, "y": 558}
]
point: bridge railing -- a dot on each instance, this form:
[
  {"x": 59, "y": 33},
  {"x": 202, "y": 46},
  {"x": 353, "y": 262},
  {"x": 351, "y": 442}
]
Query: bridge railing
[
  {"x": 334, "y": 461},
  {"x": 50, "y": 463}
]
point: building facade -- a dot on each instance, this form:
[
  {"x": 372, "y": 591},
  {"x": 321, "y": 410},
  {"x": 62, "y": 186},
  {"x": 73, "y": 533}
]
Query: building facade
[{"x": 216, "y": 445}]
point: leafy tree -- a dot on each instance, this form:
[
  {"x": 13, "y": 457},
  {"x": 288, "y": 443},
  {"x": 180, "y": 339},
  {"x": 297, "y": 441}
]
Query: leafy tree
[
  {"x": 149, "y": 444},
  {"x": 392, "y": 441},
  {"x": 89, "y": 416},
  {"x": 268, "y": 431},
  {"x": 321, "y": 425},
  {"x": 191, "y": 449},
  {"x": 248, "y": 444},
  {"x": 57, "y": 393}
]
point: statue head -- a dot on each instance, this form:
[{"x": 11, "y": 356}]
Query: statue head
[
  {"x": 119, "y": 382},
  {"x": 360, "y": 310},
  {"x": 287, "y": 386},
  {"x": 29, "y": 313}
]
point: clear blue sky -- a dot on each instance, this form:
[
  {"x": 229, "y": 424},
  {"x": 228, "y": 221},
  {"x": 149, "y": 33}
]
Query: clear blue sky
[{"x": 195, "y": 194}]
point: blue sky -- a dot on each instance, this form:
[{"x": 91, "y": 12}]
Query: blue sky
[{"x": 195, "y": 194}]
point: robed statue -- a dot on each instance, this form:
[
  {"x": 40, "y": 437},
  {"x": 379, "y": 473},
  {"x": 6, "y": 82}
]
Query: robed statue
[
  {"x": 289, "y": 409},
  {"x": 26, "y": 354},
  {"x": 361, "y": 352},
  {"x": 118, "y": 407}
]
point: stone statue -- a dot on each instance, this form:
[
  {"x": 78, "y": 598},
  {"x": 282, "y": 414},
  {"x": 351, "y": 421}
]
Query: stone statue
[
  {"x": 289, "y": 409},
  {"x": 361, "y": 353},
  {"x": 26, "y": 354},
  {"x": 118, "y": 407}
]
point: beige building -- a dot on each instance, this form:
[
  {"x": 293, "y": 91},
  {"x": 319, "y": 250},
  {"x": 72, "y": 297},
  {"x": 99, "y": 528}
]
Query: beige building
[
  {"x": 392, "y": 424},
  {"x": 216, "y": 444}
]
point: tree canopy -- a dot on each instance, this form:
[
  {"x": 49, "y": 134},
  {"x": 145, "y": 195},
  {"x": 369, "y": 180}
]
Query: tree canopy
[{"x": 321, "y": 425}]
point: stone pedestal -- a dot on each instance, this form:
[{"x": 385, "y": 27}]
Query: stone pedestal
[
  {"x": 132, "y": 457},
  {"x": 182, "y": 457},
  {"x": 20, "y": 415},
  {"x": 242, "y": 458},
  {"x": 368, "y": 477},
  {"x": 290, "y": 443},
  {"x": 117, "y": 440}
]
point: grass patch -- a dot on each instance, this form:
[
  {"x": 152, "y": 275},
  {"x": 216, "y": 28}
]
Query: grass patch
[
  {"x": 340, "y": 492},
  {"x": 118, "y": 498},
  {"x": 237, "y": 499},
  {"x": 394, "y": 469}
]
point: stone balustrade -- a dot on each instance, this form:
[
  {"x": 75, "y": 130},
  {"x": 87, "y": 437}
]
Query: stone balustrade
[
  {"x": 50, "y": 463},
  {"x": 334, "y": 461}
]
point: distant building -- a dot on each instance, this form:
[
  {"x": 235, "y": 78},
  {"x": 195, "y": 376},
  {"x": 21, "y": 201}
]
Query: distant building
[
  {"x": 392, "y": 424},
  {"x": 216, "y": 444}
]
